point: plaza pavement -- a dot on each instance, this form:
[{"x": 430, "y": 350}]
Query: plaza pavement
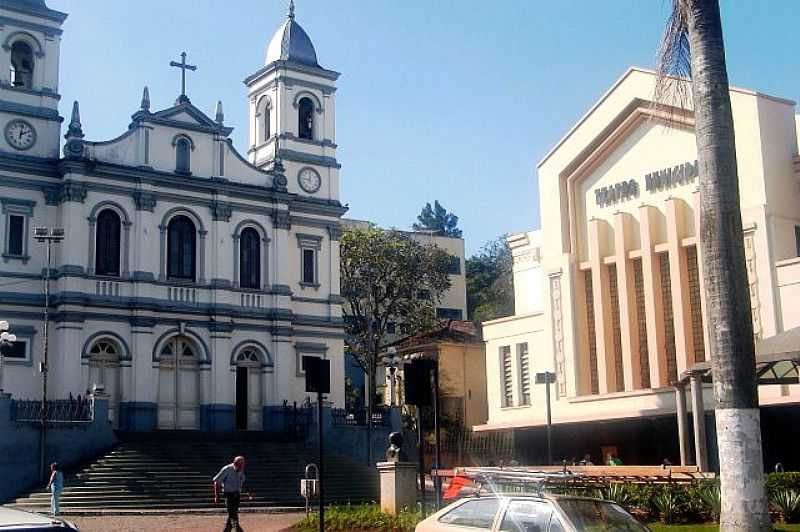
[{"x": 251, "y": 522}]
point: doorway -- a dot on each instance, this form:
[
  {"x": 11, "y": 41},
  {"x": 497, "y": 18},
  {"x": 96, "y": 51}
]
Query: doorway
[
  {"x": 178, "y": 386},
  {"x": 241, "y": 398}
]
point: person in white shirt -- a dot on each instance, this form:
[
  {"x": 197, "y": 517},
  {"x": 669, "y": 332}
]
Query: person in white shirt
[{"x": 231, "y": 479}]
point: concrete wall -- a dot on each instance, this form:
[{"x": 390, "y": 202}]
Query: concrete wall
[{"x": 67, "y": 443}]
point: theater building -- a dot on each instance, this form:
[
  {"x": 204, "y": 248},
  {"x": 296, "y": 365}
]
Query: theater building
[{"x": 609, "y": 292}]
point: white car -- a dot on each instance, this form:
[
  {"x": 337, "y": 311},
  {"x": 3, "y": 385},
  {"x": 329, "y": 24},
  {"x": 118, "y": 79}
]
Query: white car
[
  {"x": 13, "y": 519},
  {"x": 530, "y": 513}
]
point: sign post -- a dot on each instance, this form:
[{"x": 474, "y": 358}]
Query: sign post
[
  {"x": 318, "y": 379},
  {"x": 547, "y": 378}
]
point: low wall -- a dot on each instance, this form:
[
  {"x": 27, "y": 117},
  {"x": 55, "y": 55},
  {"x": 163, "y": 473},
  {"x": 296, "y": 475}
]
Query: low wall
[{"x": 68, "y": 443}]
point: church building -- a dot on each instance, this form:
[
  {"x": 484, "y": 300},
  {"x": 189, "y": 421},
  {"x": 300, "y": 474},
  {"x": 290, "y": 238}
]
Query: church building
[{"x": 191, "y": 278}]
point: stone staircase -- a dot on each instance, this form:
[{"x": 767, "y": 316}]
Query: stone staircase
[{"x": 170, "y": 472}]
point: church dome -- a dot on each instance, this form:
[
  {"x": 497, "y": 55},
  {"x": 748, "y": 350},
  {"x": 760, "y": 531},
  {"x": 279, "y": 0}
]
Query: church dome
[{"x": 291, "y": 43}]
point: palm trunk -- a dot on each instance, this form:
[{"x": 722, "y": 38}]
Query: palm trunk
[{"x": 744, "y": 503}]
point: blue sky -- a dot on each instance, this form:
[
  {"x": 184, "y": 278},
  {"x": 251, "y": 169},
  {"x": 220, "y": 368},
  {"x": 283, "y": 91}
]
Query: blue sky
[{"x": 454, "y": 100}]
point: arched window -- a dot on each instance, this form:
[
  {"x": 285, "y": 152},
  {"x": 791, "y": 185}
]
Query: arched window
[
  {"x": 107, "y": 243},
  {"x": 250, "y": 259},
  {"x": 182, "y": 156},
  {"x": 181, "y": 249},
  {"x": 21, "y": 65},
  {"x": 305, "y": 115},
  {"x": 248, "y": 357},
  {"x": 263, "y": 120}
]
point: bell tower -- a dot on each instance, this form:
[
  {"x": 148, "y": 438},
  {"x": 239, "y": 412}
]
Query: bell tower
[
  {"x": 29, "y": 59},
  {"x": 292, "y": 113}
]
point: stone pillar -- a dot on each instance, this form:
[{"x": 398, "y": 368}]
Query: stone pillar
[
  {"x": 699, "y": 421},
  {"x": 653, "y": 304},
  {"x": 140, "y": 412},
  {"x": 679, "y": 276},
  {"x": 604, "y": 331},
  {"x": 398, "y": 486},
  {"x": 65, "y": 373},
  {"x": 683, "y": 437}
]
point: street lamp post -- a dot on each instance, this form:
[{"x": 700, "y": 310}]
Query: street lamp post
[
  {"x": 7, "y": 340},
  {"x": 548, "y": 378},
  {"x": 391, "y": 361},
  {"x": 47, "y": 236}
]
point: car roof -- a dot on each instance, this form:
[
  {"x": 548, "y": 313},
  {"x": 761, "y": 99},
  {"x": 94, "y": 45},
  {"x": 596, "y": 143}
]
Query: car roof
[
  {"x": 13, "y": 517},
  {"x": 517, "y": 495}
]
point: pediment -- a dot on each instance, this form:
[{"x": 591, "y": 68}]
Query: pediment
[{"x": 184, "y": 115}]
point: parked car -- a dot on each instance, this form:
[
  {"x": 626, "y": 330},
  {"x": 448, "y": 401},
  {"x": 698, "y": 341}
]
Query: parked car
[
  {"x": 529, "y": 513},
  {"x": 13, "y": 519}
]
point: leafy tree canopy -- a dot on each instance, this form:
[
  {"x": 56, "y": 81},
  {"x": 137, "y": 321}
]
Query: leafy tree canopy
[
  {"x": 387, "y": 277},
  {"x": 437, "y": 220},
  {"x": 490, "y": 282}
]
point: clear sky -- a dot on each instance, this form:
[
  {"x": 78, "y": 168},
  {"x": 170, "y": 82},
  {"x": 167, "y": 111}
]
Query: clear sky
[{"x": 455, "y": 100}]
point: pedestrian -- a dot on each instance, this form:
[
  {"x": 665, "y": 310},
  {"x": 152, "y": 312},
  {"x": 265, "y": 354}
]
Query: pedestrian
[
  {"x": 587, "y": 459},
  {"x": 231, "y": 479},
  {"x": 55, "y": 486}
]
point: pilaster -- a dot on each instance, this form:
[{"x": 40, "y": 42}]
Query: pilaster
[
  {"x": 604, "y": 332},
  {"x": 679, "y": 275},
  {"x": 628, "y": 319},
  {"x": 653, "y": 303},
  {"x": 65, "y": 374}
]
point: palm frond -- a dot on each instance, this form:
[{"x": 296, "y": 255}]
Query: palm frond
[{"x": 674, "y": 60}]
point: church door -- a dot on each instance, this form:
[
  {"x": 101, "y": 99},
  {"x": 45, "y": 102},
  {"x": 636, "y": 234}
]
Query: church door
[
  {"x": 249, "y": 390},
  {"x": 178, "y": 386},
  {"x": 104, "y": 371}
]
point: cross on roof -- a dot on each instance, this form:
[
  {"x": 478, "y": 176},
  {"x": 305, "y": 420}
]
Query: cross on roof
[{"x": 184, "y": 66}]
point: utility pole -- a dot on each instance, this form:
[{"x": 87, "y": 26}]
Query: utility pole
[{"x": 47, "y": 236}]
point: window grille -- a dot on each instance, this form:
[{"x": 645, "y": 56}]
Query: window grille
[
  {"x": 616, "y": 330},
  {"x": 644, "y": 355},
  {"x": 669, "y": 324},
  {"x": 508, "y": 383},
  {"x": 695, "y": 304},
  {"x": 524, "y": 374},
  {"x": 595, "y": 384}
]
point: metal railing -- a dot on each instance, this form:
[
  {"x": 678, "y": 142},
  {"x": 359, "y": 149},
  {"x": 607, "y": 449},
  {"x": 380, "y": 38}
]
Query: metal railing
[{"x": 56, "y": 411}]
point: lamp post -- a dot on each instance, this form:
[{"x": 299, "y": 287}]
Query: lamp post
[
  {"x": 391, "y": 361},
  {"x": 547, "y": 378},
  {"x": 6, "y": 342},
  {"x": 47, "y": 236}
]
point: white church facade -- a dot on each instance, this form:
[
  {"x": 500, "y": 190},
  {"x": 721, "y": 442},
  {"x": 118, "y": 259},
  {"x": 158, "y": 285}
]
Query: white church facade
[{"x": 192, "y": 279}]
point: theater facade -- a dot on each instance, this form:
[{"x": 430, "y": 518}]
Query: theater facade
[{"x": 609, "y": 292}]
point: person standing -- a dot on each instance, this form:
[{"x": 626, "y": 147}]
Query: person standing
[
  {"x": 231, "y": 479},
  {"x": 55, "y": 486}
]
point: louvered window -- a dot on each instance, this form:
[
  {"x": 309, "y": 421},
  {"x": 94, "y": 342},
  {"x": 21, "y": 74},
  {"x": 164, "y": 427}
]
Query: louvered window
[
  {"x": 695, "y": 304},
  {"x": 669, "y": 324},
  {"x": 615, "y": 326},
  {"x": 524, "y": 374},
  {"x": 507, "y": 378},
  {"x": 590, "y": 330},
  {"x": 644, "y": 357}
]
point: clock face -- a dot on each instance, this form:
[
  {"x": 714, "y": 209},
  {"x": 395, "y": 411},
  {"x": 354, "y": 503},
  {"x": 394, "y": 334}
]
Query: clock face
[
  {"x": 309, "y": 180},
  {"x": 20, "y": 134}
]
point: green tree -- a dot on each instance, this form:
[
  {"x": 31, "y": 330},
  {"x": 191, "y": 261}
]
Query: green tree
[
  {"x": 386, "y": 277},
  {"x": 490, "y": 282},
  {"x": 693, "y": 46},
  {"x": 437, "y": 220}
]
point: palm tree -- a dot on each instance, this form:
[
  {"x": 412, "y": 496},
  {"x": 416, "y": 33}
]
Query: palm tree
[{"x": 693, "y": 46}]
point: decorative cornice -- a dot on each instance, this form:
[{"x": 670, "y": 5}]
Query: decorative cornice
[
  {"x": 335, "y": 232},
  {"x": 281, "y": 220},
  {"x": 72, "y": 191},
  {"x": 144, "y": 201},
  {"x": 221, "y": 211}
]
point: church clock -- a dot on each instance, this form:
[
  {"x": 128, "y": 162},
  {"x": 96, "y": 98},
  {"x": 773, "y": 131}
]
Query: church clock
[
  {"x": 309, "y": 180},
  {"x": 20, "y": 134}
]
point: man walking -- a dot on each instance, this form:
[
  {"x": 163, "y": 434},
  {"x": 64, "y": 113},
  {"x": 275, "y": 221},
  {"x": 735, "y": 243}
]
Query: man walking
[{"x": 231, "y": 479}]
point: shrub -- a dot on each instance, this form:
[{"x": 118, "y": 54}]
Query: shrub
[
  {"x": 787, "y": 504},
  {"x": 360, "y": 518},
  {"x": 622, "y": 494},
  {"x": 782, "y": 481},
  {"x": 709, "y": 494}
]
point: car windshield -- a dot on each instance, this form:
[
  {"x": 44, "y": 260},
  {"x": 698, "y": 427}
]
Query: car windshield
[{"x": 599, "y": 516}]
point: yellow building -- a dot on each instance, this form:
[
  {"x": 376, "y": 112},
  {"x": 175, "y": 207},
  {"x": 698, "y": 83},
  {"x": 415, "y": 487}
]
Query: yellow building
[{"x": 609, "y": 293}]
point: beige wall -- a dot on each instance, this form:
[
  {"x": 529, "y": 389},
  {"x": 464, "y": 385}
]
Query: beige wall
[
  {"x": 625, "y": 333},
  {"x": 462, "y": 379}
]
